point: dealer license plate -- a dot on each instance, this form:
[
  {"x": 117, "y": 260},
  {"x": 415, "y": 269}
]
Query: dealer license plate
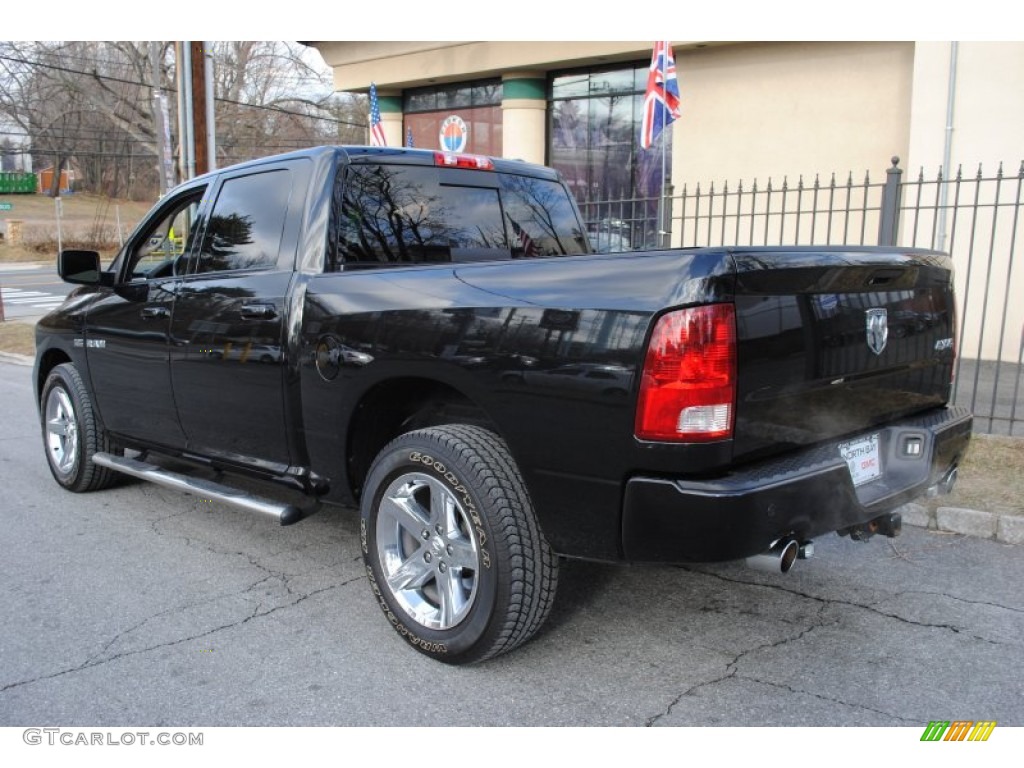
[{"x": 862, "y": 457}]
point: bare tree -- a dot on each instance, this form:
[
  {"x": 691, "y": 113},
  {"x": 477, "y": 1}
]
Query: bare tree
[
  {"x": 274, "y": 97},
  {"x": 82, "y": 103},
  {"x": 89, "y": 104}
]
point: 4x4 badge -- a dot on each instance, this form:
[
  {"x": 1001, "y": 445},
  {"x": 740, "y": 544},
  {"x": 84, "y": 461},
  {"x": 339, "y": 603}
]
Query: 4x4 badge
[{"x": 877, "y": 321}]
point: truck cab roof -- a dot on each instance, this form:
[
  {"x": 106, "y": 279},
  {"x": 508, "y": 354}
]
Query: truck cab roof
[{"x": 355, "y": 155}]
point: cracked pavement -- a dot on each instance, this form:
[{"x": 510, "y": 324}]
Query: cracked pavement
[{"x": 142, "y": 606}]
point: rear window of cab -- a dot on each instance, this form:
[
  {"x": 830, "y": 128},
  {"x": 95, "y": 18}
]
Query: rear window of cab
[{"x": 408, "y": 214}]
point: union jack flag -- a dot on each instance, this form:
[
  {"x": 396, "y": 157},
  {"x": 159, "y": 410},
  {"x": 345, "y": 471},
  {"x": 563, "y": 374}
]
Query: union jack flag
[
  {"x": 376, "y": 129},
  {"x": 661, "y": 101}
]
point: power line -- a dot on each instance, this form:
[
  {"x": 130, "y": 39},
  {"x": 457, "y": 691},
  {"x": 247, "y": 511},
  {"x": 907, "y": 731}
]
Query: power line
[
  {"x": 62, "y": 54},
  {"x": 93, "y": 134},
  {"x": 172, "y": 89},
  {"x": 288, "y": 112},
  {"x": 90, "y": 153},
  {"x": 76, "y": 71},
  {"x": 239, "y": 151},
  {"x": 98, "y": 135}
]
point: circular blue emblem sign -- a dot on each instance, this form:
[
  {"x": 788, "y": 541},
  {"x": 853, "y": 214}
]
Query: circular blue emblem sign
[{"x": 454, "y": 134}]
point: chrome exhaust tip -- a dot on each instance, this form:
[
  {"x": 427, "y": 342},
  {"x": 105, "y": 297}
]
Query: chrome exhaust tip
[
  {"x": 949, "y": 481},
  {"x": 945, "y": 486},
  {"x": 778, "y": 559}
]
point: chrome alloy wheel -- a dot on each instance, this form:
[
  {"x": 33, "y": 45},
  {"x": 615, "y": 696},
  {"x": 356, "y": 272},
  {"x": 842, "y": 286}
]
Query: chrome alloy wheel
[
  {"x": 61, "y": 430},
  {"x": 427, "y": 551}
]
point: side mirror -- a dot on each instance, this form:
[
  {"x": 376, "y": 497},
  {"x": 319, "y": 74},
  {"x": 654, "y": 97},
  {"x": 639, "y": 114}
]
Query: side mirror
[{"x": 80, "y": 267}]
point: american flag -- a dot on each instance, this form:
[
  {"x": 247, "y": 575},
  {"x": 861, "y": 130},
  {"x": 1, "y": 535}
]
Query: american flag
[
  {"x": 661, "y": 101},
  {"x": 525, "y": 241},
  {"x": 376, "y": 129}
]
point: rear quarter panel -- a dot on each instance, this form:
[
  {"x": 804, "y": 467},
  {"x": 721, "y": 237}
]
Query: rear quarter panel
[{"x": 549, "y": 349}]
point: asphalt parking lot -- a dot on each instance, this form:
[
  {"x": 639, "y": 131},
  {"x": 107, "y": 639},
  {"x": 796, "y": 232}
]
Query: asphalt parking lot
[{"x": 140, "y": 605}]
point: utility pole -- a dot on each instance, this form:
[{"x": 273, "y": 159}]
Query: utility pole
[
  {"x": 161, "y": 124},
  {"x": 199, "y": 95},
  {"x": 186, "y": 162},
  {"x": 195, "y": 108},
  {"x": 211, "y": 121}
]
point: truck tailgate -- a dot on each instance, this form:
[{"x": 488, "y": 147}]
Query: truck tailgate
[{"x": 832, "y": 342}]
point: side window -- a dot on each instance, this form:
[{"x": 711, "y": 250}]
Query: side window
[
  {"x": 164, "y": 247},
  {"x": 394, "y": 214},
  {"x": 246, "y": 224},
  {"x": 541, "y": 219}
]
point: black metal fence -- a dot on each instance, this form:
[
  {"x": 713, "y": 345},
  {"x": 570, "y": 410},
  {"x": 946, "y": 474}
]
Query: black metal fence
[{"x": 973, "y": 216}]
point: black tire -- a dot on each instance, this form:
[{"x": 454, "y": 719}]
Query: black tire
[
  {"x": 72, "y": 433},
  {"x": 445, "y": 513}
]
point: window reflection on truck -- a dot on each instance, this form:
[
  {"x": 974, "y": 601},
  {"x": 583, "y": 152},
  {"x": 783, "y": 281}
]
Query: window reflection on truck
[{"x": 406, "y": 214}]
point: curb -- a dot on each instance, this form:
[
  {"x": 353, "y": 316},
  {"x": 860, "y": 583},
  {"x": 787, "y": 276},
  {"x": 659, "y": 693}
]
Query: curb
[
  {"x": 13, "y": 359},
  {"x": 1007, "y": 529},
  {"x": 22, "y": 266}
]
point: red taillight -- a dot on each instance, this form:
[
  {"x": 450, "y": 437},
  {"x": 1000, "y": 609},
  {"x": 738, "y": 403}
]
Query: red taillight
[
  {"x": 456, "y": 160},
  {"x": 688, "y": 388}
]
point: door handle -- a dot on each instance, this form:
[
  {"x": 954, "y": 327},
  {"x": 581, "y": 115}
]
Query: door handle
[
  {"x": 259, "y": 311},
  {"x": 153, "y": 313}
]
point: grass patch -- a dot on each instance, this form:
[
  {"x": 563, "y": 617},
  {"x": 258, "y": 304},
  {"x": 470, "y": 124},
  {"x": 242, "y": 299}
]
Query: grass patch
[
  {"x": 87, "y": 221},
  {"x": 991, "y": 477},
  {"x": 21, "y": 253},
  {"x": 19, "y": 338}
]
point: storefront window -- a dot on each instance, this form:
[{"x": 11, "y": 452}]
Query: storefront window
[
  {"x": 594, "y": 142},
  {"x": 459, "y": 118}
]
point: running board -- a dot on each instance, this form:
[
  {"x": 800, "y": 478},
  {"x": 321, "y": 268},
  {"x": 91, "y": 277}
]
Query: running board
[{"x": 286, "y": 514}]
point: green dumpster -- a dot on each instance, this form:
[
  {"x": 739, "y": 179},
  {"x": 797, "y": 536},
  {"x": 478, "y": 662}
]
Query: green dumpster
[{"x": 17, "y": 183}]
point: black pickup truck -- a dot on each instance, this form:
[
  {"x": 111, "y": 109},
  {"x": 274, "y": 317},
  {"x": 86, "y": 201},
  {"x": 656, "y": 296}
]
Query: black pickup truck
[{"x": 429, "y": 337}]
